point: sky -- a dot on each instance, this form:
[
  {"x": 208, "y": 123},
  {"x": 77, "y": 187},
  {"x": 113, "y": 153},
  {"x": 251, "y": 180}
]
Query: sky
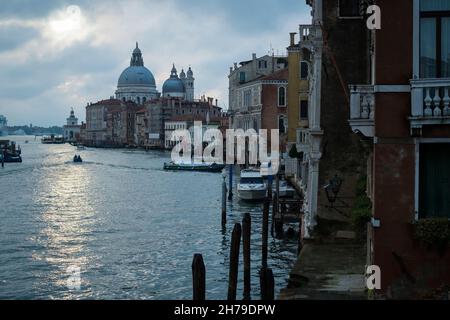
[{"x": 59, "y": 54}]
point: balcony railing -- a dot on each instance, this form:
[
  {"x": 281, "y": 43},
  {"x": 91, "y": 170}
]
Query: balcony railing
[
  {"x": 362, "y": 109},
  {"x": 430, "y": 103}
]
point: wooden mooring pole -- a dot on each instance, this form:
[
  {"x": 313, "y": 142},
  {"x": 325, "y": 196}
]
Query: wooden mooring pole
[
  {"x": 224, "y": 203},
  {"x": 267, "y": 282},
  {"x": 300, "y": 244},
  {"x": 265, "y": 233},
  {"x": 198, "y": 278},
  {"x": 230, "y": 176},
  {"x": 246, "y": 232},
  {"x": 234, "y": 261}
]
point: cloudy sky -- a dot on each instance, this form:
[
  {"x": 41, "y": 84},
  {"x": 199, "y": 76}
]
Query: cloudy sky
[{"x": 58, "y": 54}]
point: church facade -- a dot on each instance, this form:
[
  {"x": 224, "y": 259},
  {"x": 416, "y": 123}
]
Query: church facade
[{"x": 138, "y": 114}]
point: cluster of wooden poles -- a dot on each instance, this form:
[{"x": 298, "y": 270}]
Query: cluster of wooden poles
[
  {"x": 243, "y": 232},
  {"x": 240, "y": 232}
]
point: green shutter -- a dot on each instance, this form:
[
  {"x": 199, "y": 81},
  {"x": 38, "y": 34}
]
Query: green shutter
[{"x": 434, "y": 180}]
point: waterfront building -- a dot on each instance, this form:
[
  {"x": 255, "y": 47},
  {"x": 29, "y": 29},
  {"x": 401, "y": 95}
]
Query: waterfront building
[
  {"x": 166, "y": 110},
  {"x": 247, "y": 98},
  {"x": 120, "y": 125},
  {"x": 110, "y": 123},
  {"x": 402, "y": 111},
  {"x": 298, "y": 111},
  {"x": 72, "y": 128},
  {"x": 3, "y": 124},
  {"x": 325, "y": 147},
  {"x": 140, "y": 125}
]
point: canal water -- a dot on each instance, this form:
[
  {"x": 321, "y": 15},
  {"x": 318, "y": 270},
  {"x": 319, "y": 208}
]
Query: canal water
[{"x": 130, "y": 227}]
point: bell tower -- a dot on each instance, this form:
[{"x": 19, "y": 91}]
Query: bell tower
[{"x": 189, "y": 84}]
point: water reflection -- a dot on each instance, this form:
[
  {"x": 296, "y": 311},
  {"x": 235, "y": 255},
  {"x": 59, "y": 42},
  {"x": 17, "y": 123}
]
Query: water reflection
[
  {"x": 67, "y": 219},
  {"x": 131, "y": 227}
]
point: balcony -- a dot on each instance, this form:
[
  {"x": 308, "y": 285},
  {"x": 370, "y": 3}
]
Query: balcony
[
  {"x": 308, "y": 34},
  {"x": 362, "y": 109},
  {"x": 303, "y": 139},
  {"x": 430, "y": 103}
]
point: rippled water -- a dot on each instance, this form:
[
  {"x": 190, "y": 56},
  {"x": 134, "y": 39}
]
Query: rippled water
[{"x": 131, "y": 227}]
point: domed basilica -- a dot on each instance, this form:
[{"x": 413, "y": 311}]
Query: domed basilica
[{"x": 137, "y": 83}]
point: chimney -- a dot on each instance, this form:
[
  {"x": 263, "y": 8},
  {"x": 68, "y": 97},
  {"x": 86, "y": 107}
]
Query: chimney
[
  {"x": 254, "y": 56},
  {"x": 217, "y": 102},
  {"x": 293, "y": 38},
  {"x": 235, "y": 66},
  {"x": 231, "y": 69}
]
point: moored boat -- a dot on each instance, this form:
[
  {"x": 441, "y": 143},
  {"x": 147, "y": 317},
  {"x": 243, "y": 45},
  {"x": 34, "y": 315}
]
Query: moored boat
[
  {"x": 9, "y": 152},
  {"x": 285, "y": 190},
  {"x": 203, "y": 167},
  {"x": 251, "y": 186}
]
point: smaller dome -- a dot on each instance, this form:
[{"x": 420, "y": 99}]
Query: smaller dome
[
  {"x": 182, "y": 74},
  {"x": 173, "y": 86}
]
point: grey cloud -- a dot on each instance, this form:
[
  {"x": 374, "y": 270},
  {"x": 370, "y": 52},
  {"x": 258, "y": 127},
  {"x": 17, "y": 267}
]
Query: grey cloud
[{"x": 13, "y": 37}]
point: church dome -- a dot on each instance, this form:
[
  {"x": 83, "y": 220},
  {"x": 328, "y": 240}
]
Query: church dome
[
  {"x": 136, "y": 76},
  {"x": 174, "y": 86}
]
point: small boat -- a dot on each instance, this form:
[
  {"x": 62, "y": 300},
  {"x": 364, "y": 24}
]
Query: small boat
[
  {"x": 251, "y": 186},
  {"x": 80, "y": 147},
  {"x": 77, "y": 159},
  {"x": 202, "y": 167},
  {"x": 10, "y": 158},
  {"x": 285, "y": 190},
  {"x": 9, "y": 152}
]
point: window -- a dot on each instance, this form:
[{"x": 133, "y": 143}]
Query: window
[
  {"x": 262, "y": 64},
  {"x": 281, "y": 124},
  {"x": 434, "y": 38},
  {"x": 434, "y": 180},
  {"x": 241, "y": 76},
  {"x": 349, "y": 8},
  {"x": 281, "y": 96},
  {"x": 247, "y": 97},
  {"x": 303, "y": 110},
  {"x": 304, "y": 70}
]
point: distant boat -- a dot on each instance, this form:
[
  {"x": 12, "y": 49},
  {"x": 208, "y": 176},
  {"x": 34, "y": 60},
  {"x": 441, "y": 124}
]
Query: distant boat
[
  {"x": 203, "y": 167},
  {"x": 251, "y": 185},
  {"x": 52, "y": 139},
  {"x": 80, "y": 147}
]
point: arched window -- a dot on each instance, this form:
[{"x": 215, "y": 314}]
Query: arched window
[
  {"x": 144, "y": 99},
  {"x": 123, "y": 99},
  {"x": 281, "y": 96},
  {"x": 138, "y": 100}
]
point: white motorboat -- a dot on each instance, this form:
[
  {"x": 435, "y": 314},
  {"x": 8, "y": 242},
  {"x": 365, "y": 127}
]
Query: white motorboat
[{"x": 251, "y": 185}]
